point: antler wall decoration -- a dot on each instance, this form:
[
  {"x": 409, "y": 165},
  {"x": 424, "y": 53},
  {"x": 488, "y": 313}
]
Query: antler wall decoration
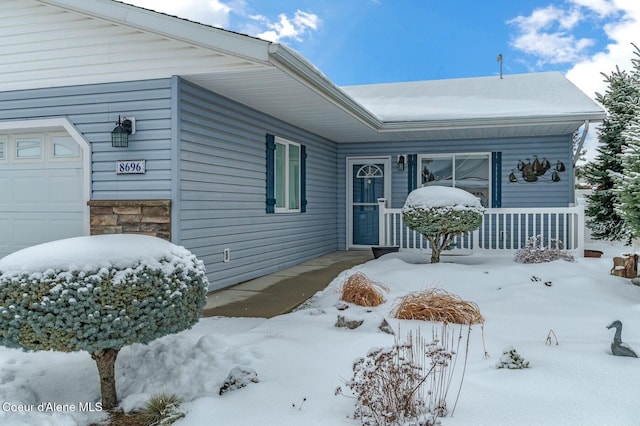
[{"x": 536, "y": 171}]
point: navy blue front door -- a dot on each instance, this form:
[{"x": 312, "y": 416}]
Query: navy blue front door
[{"x": 367, "y": 186}]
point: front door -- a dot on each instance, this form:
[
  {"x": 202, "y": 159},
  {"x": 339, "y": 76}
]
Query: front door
[{"x": 368, "y": 181}]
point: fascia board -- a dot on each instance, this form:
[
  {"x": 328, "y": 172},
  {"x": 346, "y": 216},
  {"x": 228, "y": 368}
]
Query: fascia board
[
  {"x": 299, "y": 68},
  {"x": 398, "y": 126},
  {"x": 194, "y": 33}
]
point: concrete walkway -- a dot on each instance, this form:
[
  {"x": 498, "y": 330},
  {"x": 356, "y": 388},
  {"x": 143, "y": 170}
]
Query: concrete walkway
[{"x": 281, "y": 292}]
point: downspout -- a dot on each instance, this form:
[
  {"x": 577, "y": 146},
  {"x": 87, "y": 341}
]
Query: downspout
[{"x": 576, "y": 155}]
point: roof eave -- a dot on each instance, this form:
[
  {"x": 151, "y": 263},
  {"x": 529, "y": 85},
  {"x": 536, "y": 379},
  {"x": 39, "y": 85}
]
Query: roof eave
[
  {"x": 466, "y": 123},
  {"x": 302, "y": 70}
]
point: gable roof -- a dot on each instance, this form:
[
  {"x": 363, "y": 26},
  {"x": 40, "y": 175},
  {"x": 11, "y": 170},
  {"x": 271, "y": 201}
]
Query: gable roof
[{"x": 52, "y": 43}]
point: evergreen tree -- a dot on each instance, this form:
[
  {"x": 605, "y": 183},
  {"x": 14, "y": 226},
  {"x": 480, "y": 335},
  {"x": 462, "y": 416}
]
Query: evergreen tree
[
  {"x": 604, "y": 218},
  {"x": 628, "y": 183}
]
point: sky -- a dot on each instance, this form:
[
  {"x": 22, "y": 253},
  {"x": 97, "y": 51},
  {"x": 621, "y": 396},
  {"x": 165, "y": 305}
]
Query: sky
[{"x": 378, "y": 41}]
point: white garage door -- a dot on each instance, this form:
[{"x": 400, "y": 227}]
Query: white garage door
[{"x": 41, "y": 189}]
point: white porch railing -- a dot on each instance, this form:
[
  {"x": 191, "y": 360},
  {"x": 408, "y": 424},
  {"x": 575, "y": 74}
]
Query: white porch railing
[{"x": 502, "y": 230}]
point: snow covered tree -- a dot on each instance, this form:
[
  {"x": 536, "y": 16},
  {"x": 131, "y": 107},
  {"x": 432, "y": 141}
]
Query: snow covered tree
[
  {"x": 628, "y": 189},
  {"x": 619, "y": 100},
  {"x": 98, "y": 294},
  {"x": 628, "y": 182},
  {"x": 440, "y": 213}
]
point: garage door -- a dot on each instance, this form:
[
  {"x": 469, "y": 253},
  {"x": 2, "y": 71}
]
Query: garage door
[{"x": 41, "y": 189}]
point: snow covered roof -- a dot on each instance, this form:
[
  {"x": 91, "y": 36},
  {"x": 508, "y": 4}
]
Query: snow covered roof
[{"x": 519, "y": 95}]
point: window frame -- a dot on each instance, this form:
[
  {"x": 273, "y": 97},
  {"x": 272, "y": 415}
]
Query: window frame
[
  {"x": 68, "y": 140},
  {"x": 40, "y": 137},
  {"x": 4, "y": 147},
  {"x": 285, "y": 206},
  {"x": 452, "y": 156}
]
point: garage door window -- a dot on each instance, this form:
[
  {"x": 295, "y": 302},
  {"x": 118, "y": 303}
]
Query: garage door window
[
  {"x": 64, "y": 147},
  {"x": 3, "y": 144},
  {"x": 28, "y": 148}
]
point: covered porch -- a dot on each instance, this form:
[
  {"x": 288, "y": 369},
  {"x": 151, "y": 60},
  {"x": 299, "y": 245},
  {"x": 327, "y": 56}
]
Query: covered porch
[{"x": 503, "y": 230}]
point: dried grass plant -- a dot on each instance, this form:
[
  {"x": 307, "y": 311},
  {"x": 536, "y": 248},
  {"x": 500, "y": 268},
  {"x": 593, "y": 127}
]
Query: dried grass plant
[
  {"x": 361, "y": 290},
  {"x": 437, "y": 305},
  {"x": 408, "y": 383}
]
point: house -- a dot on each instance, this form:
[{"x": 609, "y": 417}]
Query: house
[{"x": 240, "y": 149}]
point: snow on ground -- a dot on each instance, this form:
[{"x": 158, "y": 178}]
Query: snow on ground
[{"x": 301, "y": 358}]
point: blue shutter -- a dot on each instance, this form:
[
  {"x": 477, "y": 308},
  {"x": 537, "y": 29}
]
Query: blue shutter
[
  {"x": 271, "y": 158},
  {"x": 303, "y": 178},
  {"x": 496, "y": 179},
  {"x": 412, "y": 167}
]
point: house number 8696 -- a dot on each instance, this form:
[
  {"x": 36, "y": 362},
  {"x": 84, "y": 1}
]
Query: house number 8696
[{"x": 130, "y": 167}]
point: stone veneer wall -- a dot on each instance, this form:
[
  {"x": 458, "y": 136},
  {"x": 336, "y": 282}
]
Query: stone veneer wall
[{"x": 148, "y": 217}]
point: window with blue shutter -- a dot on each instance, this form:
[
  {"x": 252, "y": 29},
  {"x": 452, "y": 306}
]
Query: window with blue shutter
[{"x": 286, "y": 176}]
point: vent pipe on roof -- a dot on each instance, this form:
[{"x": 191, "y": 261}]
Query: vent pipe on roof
[{"x": 499, "y": 59}]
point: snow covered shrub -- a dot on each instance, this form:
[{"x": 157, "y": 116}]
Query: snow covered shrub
[
  {"x": 98, "y": 294},
  {"x": 406, "y": 383},
  {"x": 535, "y": 251},
  {"x": 362, "y": 291},
  {"x": 512, "y": 360},
  {"x": 440, "y": 213}
]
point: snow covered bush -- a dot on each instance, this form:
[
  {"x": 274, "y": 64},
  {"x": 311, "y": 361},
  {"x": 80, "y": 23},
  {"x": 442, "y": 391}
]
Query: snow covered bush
[
  {"x": 98, "y": 294},
  {"x": 535, "y": 251},
  {"x": 512, "y": 360},
  {"x": 440, "y": 213}
]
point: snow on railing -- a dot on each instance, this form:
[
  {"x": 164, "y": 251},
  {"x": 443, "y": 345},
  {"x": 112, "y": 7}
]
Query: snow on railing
[{"x": 502, "y": 229}]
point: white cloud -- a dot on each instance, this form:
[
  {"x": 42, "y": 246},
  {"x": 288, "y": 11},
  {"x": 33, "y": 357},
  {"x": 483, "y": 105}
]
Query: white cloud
[
  {"x": 546, "y": 34},
  {"x": 286, "y": 27},
  {"x": 620, "y": 32},
  {"x": 219, "y": 14},
  {"x": 210, "y": 12}
]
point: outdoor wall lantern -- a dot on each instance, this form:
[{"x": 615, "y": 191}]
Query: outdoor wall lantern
[
  {"x": 120, "y": 133},
  {"x": 401, "y": 162}
]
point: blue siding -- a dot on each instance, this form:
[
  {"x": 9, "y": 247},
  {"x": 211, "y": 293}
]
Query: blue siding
[
  {"x": 222, "y": 190},
  {"x": 519, "y": 194},
  {"x": 94, "y": 109},
  {"x": 214, "y": 171}
]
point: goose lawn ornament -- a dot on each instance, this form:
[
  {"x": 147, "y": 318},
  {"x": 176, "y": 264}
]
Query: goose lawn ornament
[{"x": 618, "y": 347}]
